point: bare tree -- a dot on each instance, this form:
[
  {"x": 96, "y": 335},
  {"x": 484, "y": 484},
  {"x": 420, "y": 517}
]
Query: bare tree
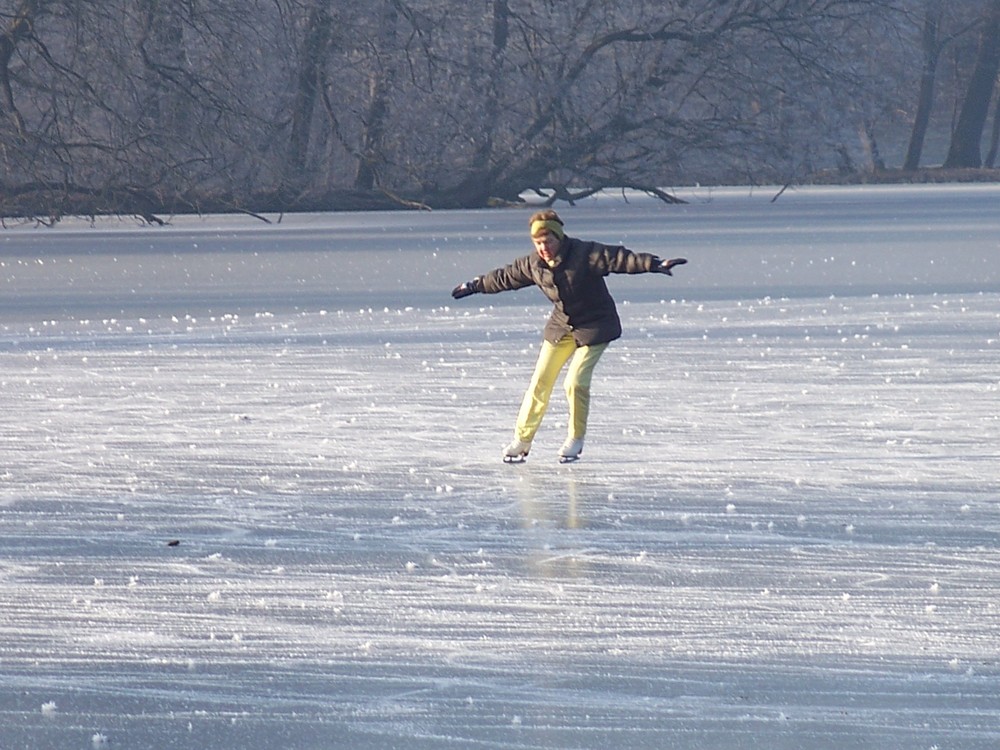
[
  {"x": 965, "y": 150},
  {"x": 165, "y": 67},
  {"x": 308, "y": 85},
  {"x": 641, "y": 93},
  {"x": 153, "y": 106},
  {"x": 134, "y": 105},
  {"x": 381, "y": 82},
  {"x": 991, "y": 157},
  {"x": 18, "y": 29},
  {"x": 931, "y": 48}
]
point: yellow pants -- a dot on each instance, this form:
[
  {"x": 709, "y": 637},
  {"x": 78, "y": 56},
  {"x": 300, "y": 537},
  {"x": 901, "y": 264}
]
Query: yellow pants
[{"x": 551, "y": 360}]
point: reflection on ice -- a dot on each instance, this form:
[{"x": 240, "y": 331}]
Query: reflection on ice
[{"x": 549, "y": 508}]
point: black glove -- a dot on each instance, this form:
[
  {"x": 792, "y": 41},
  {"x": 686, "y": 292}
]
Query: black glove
[
  {"x": 666, "y": 265},
  {"x": 466, "y": 288}
]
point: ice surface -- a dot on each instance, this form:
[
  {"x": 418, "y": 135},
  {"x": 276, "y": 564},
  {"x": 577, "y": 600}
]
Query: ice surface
[{"x": 251, "y": 492}]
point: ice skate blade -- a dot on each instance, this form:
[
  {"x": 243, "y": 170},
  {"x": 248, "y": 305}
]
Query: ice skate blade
[
  {"x": 568, "y": 459},
  {"x": 515, "y": 459}
]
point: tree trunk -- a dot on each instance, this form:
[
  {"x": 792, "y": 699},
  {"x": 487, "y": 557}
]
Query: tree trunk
[
  {"x": 991, "y": 157},
  {"x": 925, "y": 103},
  {"x": 501, "y": 33},
  {"x": 484, "y": 169},
  {"x": 162, "y": 47},
  {"x": 965, "y": 141},
  {"x": 380, "y": 85},
  {"x": 17, "y": 31},
  {"x": 869, "y": 144},
  {"x": 307, "y": 85}
]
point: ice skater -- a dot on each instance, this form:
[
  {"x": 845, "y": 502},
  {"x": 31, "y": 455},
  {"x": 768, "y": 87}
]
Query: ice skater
[{"x": 584, "y": 320}]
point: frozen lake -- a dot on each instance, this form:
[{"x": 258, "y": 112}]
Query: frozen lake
[{"x": 251, "y": 495}]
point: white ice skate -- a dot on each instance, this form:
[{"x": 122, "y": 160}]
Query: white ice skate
[
  {"x": 516, "y": 452},
  {"x": 570, "y": 450}
]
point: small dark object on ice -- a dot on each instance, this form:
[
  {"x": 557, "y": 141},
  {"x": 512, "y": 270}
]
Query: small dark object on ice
[{"x": 174, "y": 543}]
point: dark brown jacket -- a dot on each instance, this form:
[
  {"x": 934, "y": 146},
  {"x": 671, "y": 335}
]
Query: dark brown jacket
[{"x": 582, "y": 303}]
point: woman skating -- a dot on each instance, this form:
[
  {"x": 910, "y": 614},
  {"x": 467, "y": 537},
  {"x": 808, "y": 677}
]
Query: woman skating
[{"x": 584, "y": 320}]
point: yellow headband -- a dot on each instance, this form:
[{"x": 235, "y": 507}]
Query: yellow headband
[{"x": 549, "y": 225}]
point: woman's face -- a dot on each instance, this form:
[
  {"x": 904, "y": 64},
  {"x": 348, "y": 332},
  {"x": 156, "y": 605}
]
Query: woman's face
[{"x": 546, "y": 245}]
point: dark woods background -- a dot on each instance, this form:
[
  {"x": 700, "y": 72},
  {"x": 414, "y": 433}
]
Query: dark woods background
[{"x": 152, "y": 106}]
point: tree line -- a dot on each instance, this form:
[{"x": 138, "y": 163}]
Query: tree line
[{"x": 160, "y": 106}]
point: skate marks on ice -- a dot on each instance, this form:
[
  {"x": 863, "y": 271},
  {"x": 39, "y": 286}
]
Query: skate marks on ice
[
  {"x": 569, "y": 618},
  {"x": 783, "y": 532}
]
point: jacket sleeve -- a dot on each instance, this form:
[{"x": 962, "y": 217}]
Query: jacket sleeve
[
  {"x": 609, "y": 259},
  {"x": 517, "y": 275}
]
